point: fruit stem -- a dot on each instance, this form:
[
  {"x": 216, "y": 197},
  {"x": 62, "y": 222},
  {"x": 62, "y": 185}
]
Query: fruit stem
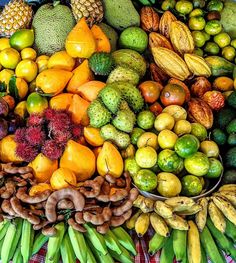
[{"x": 56, "y": 2}]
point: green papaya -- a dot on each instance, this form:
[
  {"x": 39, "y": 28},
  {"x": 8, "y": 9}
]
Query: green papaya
[{"x": 220, "y": 66}]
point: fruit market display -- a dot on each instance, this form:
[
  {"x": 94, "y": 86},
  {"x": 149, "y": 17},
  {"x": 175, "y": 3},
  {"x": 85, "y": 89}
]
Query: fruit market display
[{"x": 117, "y": 117}]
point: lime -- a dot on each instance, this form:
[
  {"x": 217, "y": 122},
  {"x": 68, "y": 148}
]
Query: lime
[
  {"x": 164, "y": 121},
  {"x": 196, "y": 23},
  {"x": 145, "y": 180},
  {"x": 191, "y": 185},
  {"x": 215, "y": 5},
  {"x": 198, "y": 38},
  {"x": 169, "y": 184},
  {"x": 9, "y": 58},
  {"x": 199, "y": 131},
  {"x": 186, "y": 145},
  {"x": 210, "y": 148},
  {"x": 212, "y": 48},
  {"x": 145, "y": 119},
  {"x": 213, "y": 27},
  {"x": 216, "y": 168},
  {"x": 232, "y": 43},
  {"x": 207, "y": 36},
  {"x": 184, "y": 7},
  {"x": 169, "y": 161},
  {"x": 198, "y": 51},
  {"x": 134, "y": 38},
  {"x": 222, "y": 39},
  {"x": 167, "y": 139},
  {"x": 231, "y": 139},
  {"x": 36, "y": 103},
  {"x": 219, "y": 136},
  {"x": 146, "y": 157},
  {"x": 22, "y": 38},
  {"x": 167, "y": 4},
  {"x": 148, "y": 139},
  {"x": 136, "y": 133},
  {"x": 182, "y": 127},
  {"x": 197, "y": 164},
  {"x": 156, "y": 169},
  {"x": 196, "y": 12},
  {"x": 131, "y": 166},
  {"x": 229, "y": 53}
]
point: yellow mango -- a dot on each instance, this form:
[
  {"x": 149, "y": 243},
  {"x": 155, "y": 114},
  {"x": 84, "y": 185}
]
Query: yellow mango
[
  {"x": 110, "y": 161},
  {"x": 61, "y": 101},
  {"x": 61, "y": 60},
  {"x": 8, "y": 150},
  {"x": 92, "y": 136},
  {"x": 53, "y": 81},
  {"x": 80, "y": 159},
  {"x": 43, "y": 168}
]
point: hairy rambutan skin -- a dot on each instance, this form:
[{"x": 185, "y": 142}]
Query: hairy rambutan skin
[
  {"x": 62, "y": 136},
  {"x": 49, "y": 114},
  {"x": 77, "y": 131},
  {"x": 35, "y": 120},
  {"x": 35, "y": 136},
  {"x": 52, "y": 149},
  {"x": 20, "y": 135},
  {"x": 26, "y": 152}
]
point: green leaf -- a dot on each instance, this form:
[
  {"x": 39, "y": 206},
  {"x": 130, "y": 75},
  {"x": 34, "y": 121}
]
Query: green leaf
[
  {"x": 41, "y": 93},
  {"x": 3, "y": 86},
  {"x": 13, "y": 88},
  {"x": 2, "y": 94}
]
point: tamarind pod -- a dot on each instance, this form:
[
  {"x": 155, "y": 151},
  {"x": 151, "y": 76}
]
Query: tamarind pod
[
  {"x": 39, "y": 241},
  {"x": 217, "y": 217},
  {"x": 125, "y": 239},
  {"x": 142, "y": 224},
  {"x": 156, "y": 243},
  {"x": 194, "y": 245},
  {"x": 167, "y": 252},
  {"x": 78, "y": 243},
  {"x": 159, "y": 225},
  {"x": 124, "y": 257},
  {"x": 4, "y": 227},
  {"x": 66, "y": 249},
  {"x": 112, "y": 242},
  {"x": 54, "y": 242},
  {"x": 17, "y": 258},
  {"x": 90, "y": 256},
  {"x": 8, "y": 240},
  {"x": 179, "y": 244},
  {"x": 26, "y": 240},
  {"x": 228, "y": 187},
  {"x": 96, "y": 239},
  {"x": 19, "y": 223},
  {"x": 130, "y": 223},
  {"x": 230, "y": 230},
  {"x": 201, "y": 216}
]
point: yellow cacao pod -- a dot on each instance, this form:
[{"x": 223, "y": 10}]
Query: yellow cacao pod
[
  {"x": 197, "y": 65},
  {"x": 181, "y": 38},
  {"x": 171, "y": 63},
  {"x": 158, "y": 40},
  {"x": 165, "y": 22}
]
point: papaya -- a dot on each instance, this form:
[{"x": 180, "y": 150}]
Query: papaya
[
  {"x": 92, "y": 136},
  {"x": 61, "y": 60},
  {"x": 219, "y": 66},
  {"x": 61, "y": 101},
  {"x": 102, "y": 41}
]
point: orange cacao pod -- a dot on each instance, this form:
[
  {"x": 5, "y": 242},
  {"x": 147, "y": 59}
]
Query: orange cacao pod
[
  {"x": 200, "y": 86},
  {"x": 149, "y": 19},
  {"x": 158, "y": 40},
  {"x": 165, "y": 22},
  {"x": 215, "y": 99}
]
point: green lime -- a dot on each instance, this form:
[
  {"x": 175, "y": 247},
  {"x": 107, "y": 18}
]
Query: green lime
[
  {"x": 145, "y": 119},
  {"x": 36, "y": 103},
  {"x": 22, "y": 38},
  {"x": 212, "y": 48},
  {"x": 219, "y": 136},
  {"x": 167, "y": 4},
  {"x": 136, "y": 133},
  {"x": 169, "y": 161},
  {"x": 187, "y": 145},
  {"x": 213, "y": 27},
  {"x": 196, "y": 23},
  {"x": 199, "y": 131},
  {"x": 184, "y": 7},
  {"x": 229, "y": 53},
  {"x": 198, "y": 51},
  {"x": 233, "y": 43},
  {"x": 198, "y": 38},
  {"x": 207, "y": 36},
  {"x": 156, "y": 169},
  {"x": 145, "y": 180},
  {"x": 197, "y": 164},
  {"x": 222, "y": 39},
  {"x": 199, "y": 3},
  {"x": 196, "y": 12},
  {"x": 146, "y": 157},
  {"x": 191, "y": 185},
  {"x": 131, "y": 166},
  {"x": 216, "y": 168},
  {"x": 134, "y": 38},
  {"x": 215, "y": 5},
  {"x": 232, "y": 139}
]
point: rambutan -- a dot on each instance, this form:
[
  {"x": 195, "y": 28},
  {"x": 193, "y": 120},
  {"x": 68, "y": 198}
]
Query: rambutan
[
  {"x": 35, "y": 136},
  {"x": 20, "y": 135},
  {"x": 35, "y": 120},
  {"x": 62, "y": 136},
  {"x": 77, "y": 131},
  {"x": 26, "y": 152},
  {"x": 49, "y": 114},
  {"x": 52, "y": 149}
]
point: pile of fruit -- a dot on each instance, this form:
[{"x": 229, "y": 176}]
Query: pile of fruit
[{"x": 102, "y": 102}]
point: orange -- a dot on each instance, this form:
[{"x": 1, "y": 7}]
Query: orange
[
  {"x": 39, "y": 188},
  {"x": 27, "y": 69},
  {"x": 63, "y": 178},
  {"x": 9, "y": 58},
  {"x": 28, "y": 53}
]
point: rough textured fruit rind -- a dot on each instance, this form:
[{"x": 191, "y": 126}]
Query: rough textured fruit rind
[
  {"x": 173, "y": 64},
  {"x": 158, "y": 40},
  {"x": 165, "y": 22},
  {"x": 197, "y": 65},
  {"x": 123, "y": 74}
]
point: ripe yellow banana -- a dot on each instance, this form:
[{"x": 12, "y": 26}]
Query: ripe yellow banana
[
  {"x": 194, "y": 246},
  {"x": 231, "y": 196},
  {"x": 216, "y": 217},
  {"x": 226, "y": 208},
  {"x": 180, "y": 203},
  {"x": 163, "y": 209},
  {"x": 144, "y": 203},
  {"x": 201, "y": 216},
  {"x": 130, "y": 223},
  {"x": 177, "y": 222},
  {"x": 190, "y": 211},
  {"x": 228, "y": 187},
  {"x": 159, "y": 225},
  {"x": 142, "y": 224}
]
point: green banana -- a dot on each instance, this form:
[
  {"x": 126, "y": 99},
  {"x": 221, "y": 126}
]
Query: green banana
[
  {"x": 96, "y": 239},
  {"x": 112, "y": 242},
  {"x": 167, "y": 253},
  {"x": 4, "y": 229},
  {"x": 223, "y": 242},
  {"x": 67, "y": 252},
  {"x": 179, "y": 244},
  {"x": 78, "y": 243},
  {"x": 90, "y": 256},
  {"x": 26, "y": 240},
  {"x": 39, "y": 241},
  {"x": 156, "y": 243},
  {"x": 3, "y": 223},
  {"x": 54, "y": 242},
  {"x": 1, "y": 242},
  {"x": 55, "y": 259},
  {"x": 125, "y": 239},
  {"x": 17, "y": 258},
  {"x": 203, "y": 255},
  {"x": 124, "y": 257},
  {"x": 210, "y": 247},
  {"x": 230, "y": 230},
  {"x": 32, "y": 241}
]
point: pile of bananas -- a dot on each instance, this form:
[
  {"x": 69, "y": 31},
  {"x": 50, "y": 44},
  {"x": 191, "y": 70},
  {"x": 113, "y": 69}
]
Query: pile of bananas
[
  {"x": 19, "y": 242},
  {"x": 187, "y": 229}
]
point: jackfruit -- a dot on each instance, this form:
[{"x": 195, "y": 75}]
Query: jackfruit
[{"x": 51, "y": 25}]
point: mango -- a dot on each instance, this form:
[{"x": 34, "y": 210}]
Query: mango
[{"x": 61, "y": 60}]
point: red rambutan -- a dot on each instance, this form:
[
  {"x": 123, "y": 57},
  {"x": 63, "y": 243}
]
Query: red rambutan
[
  {"x": 26, "y": 152},
  {"x": 20, "y": 135},
  {"x": 35, "y": 136},
  {"x": 52, "y": 149},
  {"x": 62, "y": 136},
  {"x": 49, "y": 114},
  {"x": 77, "y": 131},
  {"x": 35, "y": 120}
]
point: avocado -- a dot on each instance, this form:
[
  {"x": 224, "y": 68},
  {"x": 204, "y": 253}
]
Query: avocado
[
  {"x": 229, "y": 177},
  {"x": 230, "y": 158},
  {"x": 219, "y": 136},
  {"x": 223, "y": 117},
  {"x": 231, "y": 127},
  {"x": 232, "y": 139},
  {"x": 121, "y": 14},
  {"x": 232, "y": 100}
]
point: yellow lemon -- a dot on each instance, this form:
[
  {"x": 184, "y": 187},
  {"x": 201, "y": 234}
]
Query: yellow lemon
[
  {"x": 164, "y": 121},
  {"x": 9, "y": 58},
  {"x": 210, "y": 148},
  {"x": 182, "y": 127},
  {"x": 5, "y": 75},
  {"x": 42, "y": 62},
  {"x": 27, "y": 69},
  {"x": 28, "y": 53},
  {"x": 4, "y": 43},
  {"x": 167, "y": 139}
]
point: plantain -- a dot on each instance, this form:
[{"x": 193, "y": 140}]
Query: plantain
[
  {"x": 4, "y": 226},
  {"x": 159, "y": 225},
  {"x": 163, "y": 210},
  {"x": 179, "y": 244},
  {"x": 180, "y": 203},
  {"x": 156, "y": 243},
  {"x": 39, "y": 241},
  {"x": 130, "y": 223},
  {"x": 66, "y": 250},
  {"x": 167, "y": 252},
  {"x": 177, "y": 222},
  {"x": 194, "y": 246},
  {"x": 26, "y": 240},
  {"x": 201, "y": 216},
  {"x": 230, "y": 230},
  {"x": 228, "y": 187},
  {"x": 190, "y": 211},
  {"x": 17, "y": 257},
  {"x": 217, "y": 217},
  {"x": 145, "y": 204},
  {"x": 142, "y": 224},
  {"x": 112, "y": 242},
  {"x": 231, "y": 196}
]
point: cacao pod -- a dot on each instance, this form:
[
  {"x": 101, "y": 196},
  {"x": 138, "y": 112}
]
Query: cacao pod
[
  {"x": 171, "y": 63},
  {"x": 181, "y": 38},
  {"x": 158, "y": 40},
  {"x": 165, "y": 23},
  {"x": 149, "y": 19},
  {"x": 157, "y": 74},
  {"x": 215, "y": 99},
  {"x": 197, "y": 65},
  {"x": 199, "y": 86},
  {"x": 200, "y": 111}
]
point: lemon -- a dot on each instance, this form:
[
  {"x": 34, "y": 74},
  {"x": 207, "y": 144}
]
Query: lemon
[
  {"x": 5, "y": 76},
  {"x": 36, "y": 103},
  {"x": 9, "y": 58},
  {"x": 42, "y": 62},
  {"x": 28, "y": 53},
  {"x": 167, "y": 139},
  {"x": 210, "y": 148},
  {"x": 4, "y": 43},
  {"x": 164, "y": 121},
  {"x": 22, "y": 38},
  {"x": 182, "y": 127},
  {"x": 27, "y": 69}
]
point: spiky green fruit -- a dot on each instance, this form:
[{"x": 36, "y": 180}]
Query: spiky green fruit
[
  {"x": 101, "y": 63},
  {"x": 124, "y": 121},
  {"x": 123, "y": 74}
]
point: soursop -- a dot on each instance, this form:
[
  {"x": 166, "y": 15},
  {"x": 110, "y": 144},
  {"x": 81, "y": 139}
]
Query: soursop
[
  {"x": 124, "y": 121},
  {"x": 98, "y": 114},
  {"x": 111, "y": 97},
  {"x": 51, "y": 26},
  {"x": 101, "y": 63}
]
